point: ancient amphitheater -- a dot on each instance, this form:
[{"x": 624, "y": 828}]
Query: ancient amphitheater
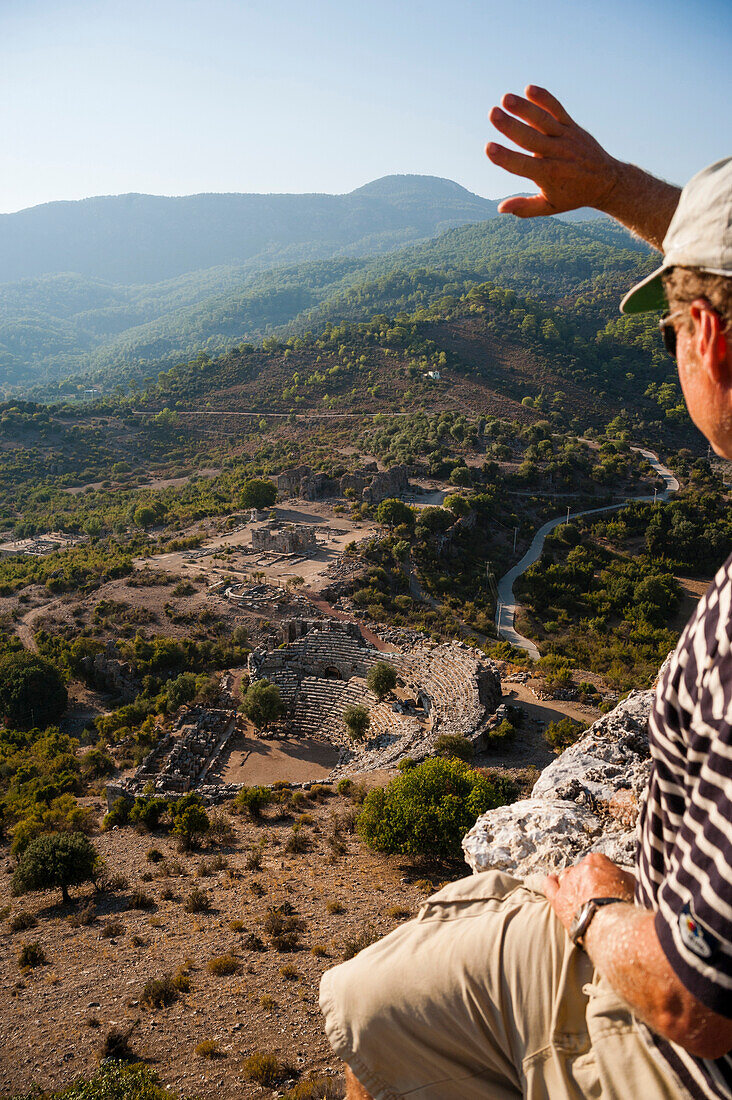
[{"x": 441, "y": 688}]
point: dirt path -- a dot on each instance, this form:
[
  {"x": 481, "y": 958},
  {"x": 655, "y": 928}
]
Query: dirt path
[{"x": 24, "y": 627}]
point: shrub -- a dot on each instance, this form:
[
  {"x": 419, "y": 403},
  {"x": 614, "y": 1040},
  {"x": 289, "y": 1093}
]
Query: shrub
[
  {"x": 297, "y": 841},
  {"x": 138, "y": 899},
  {"x": 253, "y": 800},
  {"x": 319, "y": 792},
  {"x": 426, "y": 811},
  {"x": 398, "y": 912},
  {"x": 190, "y": 825},
  {"x": 317, "y": 1088},
  {"x": 266, "y": 1069},
  {"x": 197, "y": 901},
  {"x": 146, "y": 812},
  {"x": 21, "y": 921},
  {"x": 290, "y": 972},
  {"x": 453, "y": 745},
  {"x": 253, "y": 943},
  {"x": 31, "y": 954},
  {"x": 283, "y": 927},
  {"x": 116, "y": 1045},
  {"x": 253, "y": 861},
  {"x": 562, "y": 734},
  {"x": 161, "y": 992},
  {"x": 381, "y": 679},
  {"x": 56, "y": 860},
  {"x": 344, "y": 786},
  {"x": 334, "y": 907},
  {"x": 220, "y": 829},
  {"x": 319, "y": 950},
  {"x": 223, "y": 965},
  {"x": 111, "y": 929},
  {"x": 357, "y": 941},
  {"x": 210, "y": 866},
  {"x": 154, "y": 855},
  {"x": 236, "y": 925},
  {"x": 119, "y": 814},
  {"x": 505, "y": 731},
  {"x": 86, "y": 915},
  {"x": 209, "y": 1048}
]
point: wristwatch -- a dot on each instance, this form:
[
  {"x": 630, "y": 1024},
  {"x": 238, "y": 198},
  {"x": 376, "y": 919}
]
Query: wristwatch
[{"x": 583, "y": 918}]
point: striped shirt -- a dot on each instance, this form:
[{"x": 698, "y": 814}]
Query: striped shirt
[{"x": 685, "y": 828}]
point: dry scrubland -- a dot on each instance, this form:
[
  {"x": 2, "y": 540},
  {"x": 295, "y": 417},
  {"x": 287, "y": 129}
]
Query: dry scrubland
[{"x": 56, "y": 1016}]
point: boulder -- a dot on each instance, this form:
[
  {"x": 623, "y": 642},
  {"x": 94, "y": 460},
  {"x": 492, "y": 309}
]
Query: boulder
[{"x": 585, "y": 801}]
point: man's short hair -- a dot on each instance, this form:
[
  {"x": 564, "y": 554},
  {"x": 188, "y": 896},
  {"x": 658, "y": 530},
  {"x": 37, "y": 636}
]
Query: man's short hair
[{"x": 684, "y": 284}]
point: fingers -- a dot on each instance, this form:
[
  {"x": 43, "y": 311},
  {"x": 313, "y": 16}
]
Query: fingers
[
  {"x": 535, "y": 116},
  {"x": 517, "y": 163},
  {"x": 527, "y": 206},
  {"x": 544, "y": 99},
  {"x": 528, "y": 137}
]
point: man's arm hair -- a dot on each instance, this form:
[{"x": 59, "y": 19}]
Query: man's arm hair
[
  {"x": 571, "y": 169},
  {"x": 623, "y": 944}
]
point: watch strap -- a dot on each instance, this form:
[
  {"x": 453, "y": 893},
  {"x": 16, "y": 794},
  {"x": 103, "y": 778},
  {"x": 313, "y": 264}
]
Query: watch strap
[{"x": 584, "y": 916}]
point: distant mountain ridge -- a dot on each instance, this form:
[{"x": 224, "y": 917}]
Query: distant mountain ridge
[{"x": 133, "y": 239}]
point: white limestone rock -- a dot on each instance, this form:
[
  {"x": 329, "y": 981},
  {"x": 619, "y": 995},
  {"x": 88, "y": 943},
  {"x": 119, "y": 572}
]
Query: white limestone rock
[
  {"x": 531, "y": 836},
  {"x": 586, "y": 800},
  {"x": 611, "y": 755}
]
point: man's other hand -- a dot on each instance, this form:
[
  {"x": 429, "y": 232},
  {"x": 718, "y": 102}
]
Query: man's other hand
[
  {"x": 595, "y": 876},
  {"x": 566, "y": 163}
]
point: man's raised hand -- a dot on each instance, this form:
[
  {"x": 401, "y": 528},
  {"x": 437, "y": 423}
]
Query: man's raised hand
[
  {"x": 571, "y": 169},
  {"x": 566, "y": 163}
]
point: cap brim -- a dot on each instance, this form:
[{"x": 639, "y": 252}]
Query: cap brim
[{"x": 646, "y": 295}]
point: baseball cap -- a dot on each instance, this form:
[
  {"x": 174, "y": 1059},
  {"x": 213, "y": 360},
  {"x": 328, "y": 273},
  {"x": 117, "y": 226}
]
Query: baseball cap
[{"x": 700, "y": 236}]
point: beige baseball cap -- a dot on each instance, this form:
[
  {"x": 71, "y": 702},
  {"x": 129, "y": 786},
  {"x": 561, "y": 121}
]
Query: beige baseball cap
[{"x": 700, "y": 236}]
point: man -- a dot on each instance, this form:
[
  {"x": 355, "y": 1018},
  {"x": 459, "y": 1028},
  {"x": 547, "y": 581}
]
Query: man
[{"x": 607, "y": 985}]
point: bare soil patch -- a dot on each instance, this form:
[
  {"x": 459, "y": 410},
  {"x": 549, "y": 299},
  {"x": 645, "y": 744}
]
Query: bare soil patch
[{"x": 254, "y": 760}]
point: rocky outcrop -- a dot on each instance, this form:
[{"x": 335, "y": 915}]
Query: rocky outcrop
[
  {"x": 587, "y": 800},
  {"x": 366, "y": 484}
]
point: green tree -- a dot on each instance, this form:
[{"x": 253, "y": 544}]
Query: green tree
[
  {"x": 32, "y": 692},
  {"x": 262, "y": 704},
  {"x": 258, "y": 493},
  {"x": 56, "y": 859},
  {"x": 426, "y": 810},
  {"x": 381, "y": 678},
  {"x": 357, "y": 720},
  {"x": 394, "y": 513}
]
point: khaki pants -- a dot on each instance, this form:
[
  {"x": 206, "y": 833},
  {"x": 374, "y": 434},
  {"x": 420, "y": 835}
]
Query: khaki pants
[{"x": 484, "y": 997}]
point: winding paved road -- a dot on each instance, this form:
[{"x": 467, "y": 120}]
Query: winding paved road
[{"x": 506, "y": 608}]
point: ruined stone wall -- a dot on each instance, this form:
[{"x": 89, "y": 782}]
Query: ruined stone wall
[{"x": 284, "y": 540}]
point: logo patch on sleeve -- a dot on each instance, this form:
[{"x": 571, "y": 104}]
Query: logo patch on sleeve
[{"x": 694, "y": 936}]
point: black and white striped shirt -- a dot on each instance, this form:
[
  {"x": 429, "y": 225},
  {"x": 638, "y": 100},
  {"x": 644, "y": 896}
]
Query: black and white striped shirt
[{"x": 685, "y": 828}]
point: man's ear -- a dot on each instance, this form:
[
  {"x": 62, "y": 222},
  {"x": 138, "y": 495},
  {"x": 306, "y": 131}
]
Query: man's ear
[{"x": 710, "y": 342}]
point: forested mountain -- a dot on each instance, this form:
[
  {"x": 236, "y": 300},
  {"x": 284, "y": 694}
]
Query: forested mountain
[
  {"x": 64, "y": 325},
  {"x": 133, "y": 239}
]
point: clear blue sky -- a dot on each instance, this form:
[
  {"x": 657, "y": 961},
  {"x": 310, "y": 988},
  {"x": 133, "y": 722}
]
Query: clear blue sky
[{"x": 181, "y": 96}]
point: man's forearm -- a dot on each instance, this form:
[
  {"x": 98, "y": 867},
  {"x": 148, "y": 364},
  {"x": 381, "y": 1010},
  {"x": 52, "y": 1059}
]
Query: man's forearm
[
  {"x": 624, "y": 947},
  {"x": 641, "y": 202}
]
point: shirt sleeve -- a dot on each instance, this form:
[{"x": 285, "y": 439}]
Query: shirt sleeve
[{"x": 694, "y": 917}]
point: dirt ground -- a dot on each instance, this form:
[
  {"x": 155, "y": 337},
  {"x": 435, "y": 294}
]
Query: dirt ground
[
  {"x": 276, "y": 569},
  {"x": 254, "y": 760},
  {"x": 54, "y": 1017}
]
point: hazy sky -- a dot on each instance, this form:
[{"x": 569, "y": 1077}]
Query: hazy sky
[{"x": 181, "y": 96}]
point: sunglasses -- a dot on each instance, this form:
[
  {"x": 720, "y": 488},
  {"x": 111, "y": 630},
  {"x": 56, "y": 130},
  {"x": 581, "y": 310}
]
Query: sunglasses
[{"x": 668, "y": 332}]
